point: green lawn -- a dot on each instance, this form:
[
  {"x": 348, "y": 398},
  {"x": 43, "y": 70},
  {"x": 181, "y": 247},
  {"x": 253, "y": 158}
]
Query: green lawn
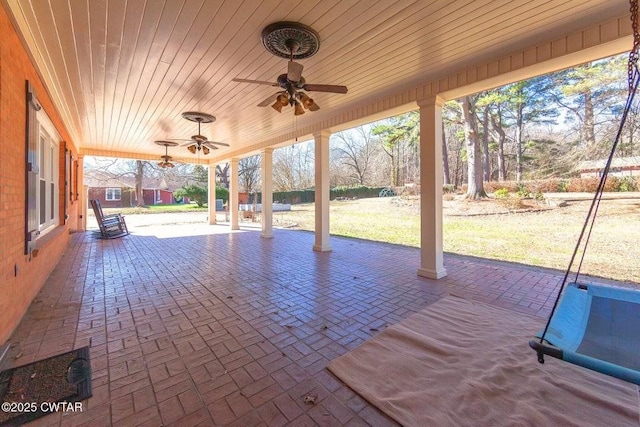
[{"x": 544, "y": 239}]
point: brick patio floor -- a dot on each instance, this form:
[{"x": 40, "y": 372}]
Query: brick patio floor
[{"x": 227, "y": 328}]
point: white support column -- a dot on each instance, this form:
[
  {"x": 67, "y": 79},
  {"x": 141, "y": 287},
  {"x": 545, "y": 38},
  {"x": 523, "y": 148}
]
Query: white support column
[
  {"x": 322, "y": 191},
  {"x": 431, "y": 181},
  {"x": 211, "y": 203},
  {"x": 233, "y": 194},
  {"x": 83, "y": 195},
  {"x": 266, "y": 172}
]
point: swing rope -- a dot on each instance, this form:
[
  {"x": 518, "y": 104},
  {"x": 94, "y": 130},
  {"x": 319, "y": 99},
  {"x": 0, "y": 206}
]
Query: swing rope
[{"x": 633, "y": 79}]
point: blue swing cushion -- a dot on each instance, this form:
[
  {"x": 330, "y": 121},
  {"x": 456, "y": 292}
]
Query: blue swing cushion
[{"x": 596, "y": 327}]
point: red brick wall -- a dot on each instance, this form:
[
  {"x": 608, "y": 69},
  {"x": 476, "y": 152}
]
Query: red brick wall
[
  {"x": 149, "y": 197},
  {"x": 17, "y": 290},
  {"x": 127, "y": 198},
  {"x": 167, "y": 197}
]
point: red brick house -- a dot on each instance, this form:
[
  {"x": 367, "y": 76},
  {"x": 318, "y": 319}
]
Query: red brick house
[
  {"x": 159, "y": 191},
  {"x": 111, "y": 191},
  {"x": 120, "y": 191}
]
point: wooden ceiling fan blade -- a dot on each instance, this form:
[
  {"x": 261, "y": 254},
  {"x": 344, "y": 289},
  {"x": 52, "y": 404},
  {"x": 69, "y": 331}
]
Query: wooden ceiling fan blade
[
  {"x": 224, "y": 144},
  {"x": 259, "y": 82},
  {"x": 210, "y": 145},
  {"x": 294, "y": 71},
  {"x": 268, "y": 101},
  {"x": 191, "y": 142},
  {"x": 326, "y": 88}
]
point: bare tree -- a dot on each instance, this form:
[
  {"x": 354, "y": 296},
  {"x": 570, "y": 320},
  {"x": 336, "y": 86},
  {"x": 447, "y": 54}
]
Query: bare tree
[
  {"x": 222, "y": 172},
  {"x": 356, "y": 148},
  {"x": 249, "y": 172},
  {"x": 293, "y": 167}
]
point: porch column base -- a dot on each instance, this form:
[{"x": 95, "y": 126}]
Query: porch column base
[
  {"x": 322, "y": 248},
  {"x": 266, "y": 235},
  {"x": 432, "y": 274}
]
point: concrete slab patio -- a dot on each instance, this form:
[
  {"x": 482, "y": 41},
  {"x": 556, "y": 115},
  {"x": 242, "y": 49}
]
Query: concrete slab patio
[{"x": 226, "y": 328}]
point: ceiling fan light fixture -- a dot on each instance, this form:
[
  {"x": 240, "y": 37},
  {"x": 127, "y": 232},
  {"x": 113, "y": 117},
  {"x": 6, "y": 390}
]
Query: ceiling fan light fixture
[
  {"x": 197, "y": 142},
  {"x": 307, "y": 102},
  {"x": 282, "y": 100},
  {"x": 277, "y": 106},
  {"x": 299, "y": 109}
]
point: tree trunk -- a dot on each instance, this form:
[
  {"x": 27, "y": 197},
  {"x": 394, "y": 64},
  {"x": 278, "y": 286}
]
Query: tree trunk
[
  {"x": 445, "y": 158},
  {"x": 475, "y": 189},
  {"x": 396, "y": 181},
  {"x": 589, "y": 121},
  {"x": 486, "y": 164},
  {"x": 223, "y": 174},
  {"x": 519, "y": 126},
  {"x": 502, "y": 137},
  {"x": 139, "y": 174}
]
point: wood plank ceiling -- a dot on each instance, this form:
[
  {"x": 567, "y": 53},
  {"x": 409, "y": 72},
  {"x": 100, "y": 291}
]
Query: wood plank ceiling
[{"x": 121, "y": 72}]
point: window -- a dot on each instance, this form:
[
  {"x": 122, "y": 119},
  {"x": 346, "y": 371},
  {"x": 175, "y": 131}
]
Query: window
[
  {"x": 42, "y": 183},
  {"x": 47, "y": 173},
  {"x": 113, "y": 194},
  {"x": 158, "y": 196}
]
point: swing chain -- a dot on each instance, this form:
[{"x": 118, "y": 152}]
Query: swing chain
[{"x": 633, "y": 54}]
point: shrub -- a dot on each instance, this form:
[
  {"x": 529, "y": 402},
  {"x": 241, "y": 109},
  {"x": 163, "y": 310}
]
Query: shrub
[
  {"x": 358, "y": 192},
  {"x": 523, "y": 192},
  {"x": 492, "y": 186},
  {"x": 501, "y": 193},
  {"x": 448, "y": 188},
  {"x": 195, "y": 192},
  {"x": 563, "y": 186},
  {"x": 222, "y": 193},
  {"x": 626, "y": 183}
]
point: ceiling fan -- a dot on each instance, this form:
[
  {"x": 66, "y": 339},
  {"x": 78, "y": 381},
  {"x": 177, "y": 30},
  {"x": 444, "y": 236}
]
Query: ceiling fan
[
  {"x": 200, "y": 142},
  {"x": 166, "y": 159},
  {"x": 292, "y": 40}
]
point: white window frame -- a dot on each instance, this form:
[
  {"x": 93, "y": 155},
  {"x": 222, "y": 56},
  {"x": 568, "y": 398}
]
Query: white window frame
[
  {"x": 48, "y": 159},
  {"x": 113, "y": 192},
  {"x": 158, "y": 196}
]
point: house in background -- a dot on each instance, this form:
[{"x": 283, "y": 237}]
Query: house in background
[
  {"x": 160, "y": 191},
  {"x": 620, "y": 166},
  {"x": 114, "y": 191}
]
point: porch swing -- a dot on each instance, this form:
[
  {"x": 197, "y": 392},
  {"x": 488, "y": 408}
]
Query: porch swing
[{"x": 594, "y": 326}]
